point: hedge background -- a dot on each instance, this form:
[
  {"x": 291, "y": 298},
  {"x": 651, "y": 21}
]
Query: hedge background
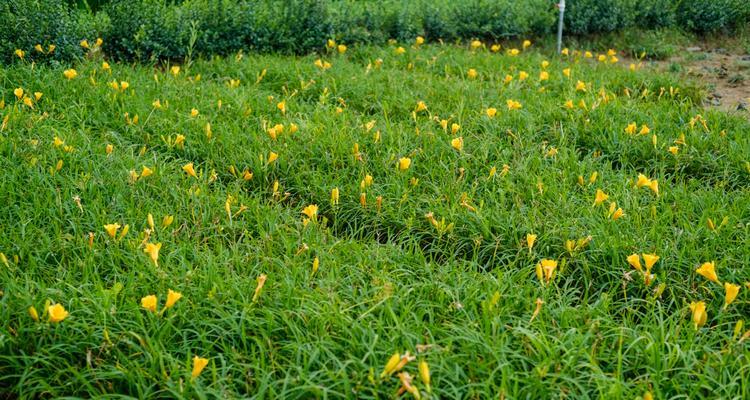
[{"x": 163, "y": 29}]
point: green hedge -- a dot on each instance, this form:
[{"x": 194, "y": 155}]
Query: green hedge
[{"x": 172, "y": 29}]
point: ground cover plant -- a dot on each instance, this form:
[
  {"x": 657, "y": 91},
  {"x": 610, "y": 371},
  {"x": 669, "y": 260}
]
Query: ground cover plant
[{"x": 432, "y": 221}]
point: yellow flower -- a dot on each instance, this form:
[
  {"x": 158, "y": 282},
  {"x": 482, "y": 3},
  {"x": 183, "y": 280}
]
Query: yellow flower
[
  {"x": 20, "y": 53},
  {"x": 630, "y": 129},
  {"x": 194, "y": 112},
  {"x": 149, "y": 303},
  {"x": 18, "y": 92},
  {"x": 152, "y": 249},
  {"x": 33, "y": 314},
  {"x": 513, "y": 105},
  {"x": 566, "y": 72},
  {"x": 617, "y": 214},
  {"x": 457, "y": 143},
  {"x": 522, "y": 75},
  {"x": 495, "y": 48},
  {"x": 543, "y": 76},
  {"x": 475, "y": 44},
  {"x": 172, "y": 298},
  {"x": 708, "y": 271},
  {"x": 282, "y": 107},
  {"x": 569, "y": 104},
  {"x": 400, "y": 50},
  {"x": 642, "y": 181},
  {"x": 508, "y": 78},
  {"x": 645, "y": 130},
  {"x": 472, "y": 73},
  {"x": 38, "y": 47},
  {"x": 674, "y": 149},
  {"x": 699, "y": 313},
  {"x": 199, "y": 363},
  {"x": 108, "y": 149},
  {"x": 38, "y": 95},
  {"x": 146, "y": 171},
  {"x": 167, "y": 220},
  {"x": 112, "y": 229},
  {"x": 188, "y": 168},
  {"x": 311, "y": 211},
  {"x": 565, "y": 51},
  {"x": 421, "y": 106},
  {"x": 105, "y": 66},
  {"x": 331, "y": 43},
  {"x": 424, "y": 374},
  {"x": 419, "y": 40},
  {"x": 530, "y": 240},
  {"x": 731, "y": 290},
  {"x": 85, "y": 44},
  {"x": 316, "y": 265},
  {"x": 70, "y": 73},
  {"x": 654, "y": 186},
  {"x": 335, "y": 196},
  {"x": 272, "y": 157},
  {"x": 51, "y": 48},
  {"x": 455, "y": 127},
  {"x": 580, "y": 86},
  {"x": 545, "y": 270},
  {"x": 179, "y": 141},
  {"x": 588, "y": 54},
  {"x": 526, "y": 44},
  {"x": 635, "y": 261},
  {"x": 404, "y": 163},
  {"x": 57, "y": 313},
  {"x": 600, "y": 197},
  {"x": 341, "y": 48},
  {"x": 491, "y": 112},
  {"x": 175, "y": 70},
  {"x": 124, "y": 85},
  {"x": 390, "y": 366},
  {"x": 650, "y": 260}
]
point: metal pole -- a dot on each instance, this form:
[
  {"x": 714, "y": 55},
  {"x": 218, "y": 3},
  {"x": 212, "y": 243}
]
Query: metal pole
[{"x": 561, "y": 6}]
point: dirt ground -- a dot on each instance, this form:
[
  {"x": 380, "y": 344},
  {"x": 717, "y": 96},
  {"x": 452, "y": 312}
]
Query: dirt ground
[{"x": 726, "y": 73}]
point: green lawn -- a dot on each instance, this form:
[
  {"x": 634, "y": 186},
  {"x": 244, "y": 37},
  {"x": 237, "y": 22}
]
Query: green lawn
[{"x": 433, "y": 260}]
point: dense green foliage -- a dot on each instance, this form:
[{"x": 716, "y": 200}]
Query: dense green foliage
[
  {"x": 440, "y": 266},
  {"x": 161, "y": 29}
]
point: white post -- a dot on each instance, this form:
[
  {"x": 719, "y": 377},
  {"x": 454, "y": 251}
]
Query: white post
[{"x": 561, "y": 6}]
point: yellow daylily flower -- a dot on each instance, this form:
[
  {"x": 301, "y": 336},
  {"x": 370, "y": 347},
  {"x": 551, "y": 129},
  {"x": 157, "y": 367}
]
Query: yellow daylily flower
[
  {"x": 699, "y": 313},
  {"x": 149, "y": 303},
  {"x": 172, "y": 298},
  {"x": 708, "y": 271},
  {"x": 188, "y": 168},
  {"x": 404, "y": 163},
  {"x": 730, "y": 293},
  {"x": 600, "y": 197},
  {"x": 635, "y": 261},
  {"x": 199, "y": 363},
  {"x": 112, "y": 229},
  {"x": 70, "y": 73},
  {"x": 57, "y": 313},
  {"x": 457, "y": 143},
  {"x": 152, "y": 249}
]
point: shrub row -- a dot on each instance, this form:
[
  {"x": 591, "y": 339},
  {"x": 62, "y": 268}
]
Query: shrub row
[{"x": 161, "y": 29}]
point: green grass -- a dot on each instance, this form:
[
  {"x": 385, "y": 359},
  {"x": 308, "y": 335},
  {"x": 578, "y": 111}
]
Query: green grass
[{"x": 460, "y": 298}]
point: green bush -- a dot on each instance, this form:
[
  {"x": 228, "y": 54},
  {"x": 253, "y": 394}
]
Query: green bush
[
  {"x": 597, "y": 16},
  {"x": 293, "y": 26},
  {"x": 651, "y": 14},
  {"x": 155, "y": 29},
  {"x": 26, "y": 23},
  {"x": 705, "y": 16}
]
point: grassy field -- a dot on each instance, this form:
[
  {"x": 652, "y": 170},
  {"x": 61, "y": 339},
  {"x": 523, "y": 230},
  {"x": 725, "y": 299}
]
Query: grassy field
[{"x": 501, "y": 257}]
